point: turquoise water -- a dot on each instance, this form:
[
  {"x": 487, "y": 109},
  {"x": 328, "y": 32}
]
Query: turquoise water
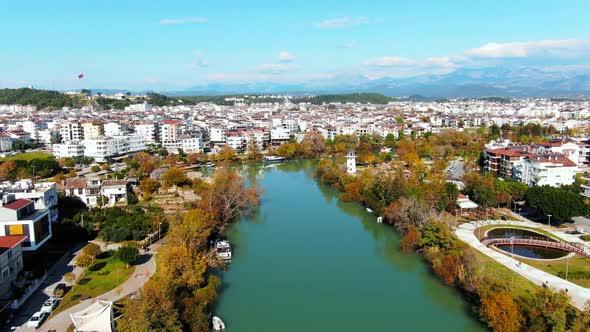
[{"x": 310, "y": 262}]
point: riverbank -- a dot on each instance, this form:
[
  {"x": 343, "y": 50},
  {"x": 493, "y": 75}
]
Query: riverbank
[{"x": 415, "y": 207}]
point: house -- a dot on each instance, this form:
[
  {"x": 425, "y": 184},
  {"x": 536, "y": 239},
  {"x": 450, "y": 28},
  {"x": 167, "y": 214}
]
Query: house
[
  {"x": 11, "y": 262},
  {"x": 5, "y": 142},
  {"x": 89, "y": 191},
  {"x": 465, "y": 204},
  {"x": 43, "y": 194},
  {"x": 115, "y": 191},
  {"x": 19, "y": 217}
]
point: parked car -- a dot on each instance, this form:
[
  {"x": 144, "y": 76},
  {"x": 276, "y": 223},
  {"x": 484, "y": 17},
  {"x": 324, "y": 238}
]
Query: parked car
[
  {"x": 60, "y": 290},
  {"x": 49, "y": 305},
  {"x": 37, "y": 319}
]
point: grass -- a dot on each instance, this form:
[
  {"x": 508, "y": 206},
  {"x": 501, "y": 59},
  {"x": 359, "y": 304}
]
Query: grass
[
  {"x": 483, "y": 229},
  {"x": 585, "y": 237},
  {"x": 29, "y": 156},
  {"x": 577, "y": 264},
  {"x": 106, "y": 274},
  {"x": 520, "y": 286}
]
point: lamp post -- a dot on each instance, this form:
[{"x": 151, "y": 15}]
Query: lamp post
[
  {"x": 159, "y": 224},
  {"x": 33, "y": 167},
  {"x": 567, "y": 266},
  {"x": 519, "y": 211},
  {"x": 549, "y": 220}
]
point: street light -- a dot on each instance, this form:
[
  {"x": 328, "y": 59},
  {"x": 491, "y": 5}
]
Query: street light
[
  {"x": 567, "y": 266},
  {"x": 159, "y": 224},
  {"x": 549, "y": 221}
]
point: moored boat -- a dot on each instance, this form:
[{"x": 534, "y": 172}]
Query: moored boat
[
  {"x": 369, "y": 210},
  {"x": 223, "y": 249},
  {"x": 218, "y": 324},
  {"x": 273, "y": 159}
]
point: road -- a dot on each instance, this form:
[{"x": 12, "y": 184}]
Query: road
[
  {"x": 145, "y": 268},
  {"x": 456, "y": 169}
]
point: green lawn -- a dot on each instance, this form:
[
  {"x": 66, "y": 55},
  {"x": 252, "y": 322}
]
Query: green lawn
[
  {"x": 106, "y": 274},
  {"x": 29, "y": 156},
  {"x": 577, "y": 265}
]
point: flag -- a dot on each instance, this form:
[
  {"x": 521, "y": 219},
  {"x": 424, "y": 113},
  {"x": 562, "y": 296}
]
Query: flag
[{"x": 81, "y": 76}]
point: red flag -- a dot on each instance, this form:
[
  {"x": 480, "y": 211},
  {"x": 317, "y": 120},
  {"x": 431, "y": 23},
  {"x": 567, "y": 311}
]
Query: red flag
[{"x": 81, "y": 76}]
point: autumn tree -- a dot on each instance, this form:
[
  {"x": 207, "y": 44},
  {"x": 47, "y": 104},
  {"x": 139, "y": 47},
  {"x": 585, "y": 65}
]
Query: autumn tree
[
  {"x": 174, "y": 176},
  {"x": 500, "y": 312},
  {"x": 92, "y": 250},
  {"x": 149, "y": 185}
]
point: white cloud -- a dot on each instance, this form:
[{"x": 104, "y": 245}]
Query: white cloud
[
  {"x": 529, "y": 48},
  {"x": 285, "y": 56},
  {"x": 342, "y": 22},
  {"x": 390, "y": 61},
  {"x": 177, "y": 21}
]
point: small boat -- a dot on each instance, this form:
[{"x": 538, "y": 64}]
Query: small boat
[
  {"x": 370, "y": 210},
  {"x": 218, "y": 324},
  {"x": 223, "y": 249},
  {"x": 273, "y": 159},
  {"x": 209, "y": 165}
]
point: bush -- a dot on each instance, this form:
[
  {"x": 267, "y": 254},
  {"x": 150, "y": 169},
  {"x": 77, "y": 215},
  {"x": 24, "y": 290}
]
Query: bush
[
  {"x": 585, "y": 237},
  {"x": 92, "y": 250},
  {"x": 95, "y": 168},
  {"x": 127, "y": 254},
  {"x": 83, "y": 261}
]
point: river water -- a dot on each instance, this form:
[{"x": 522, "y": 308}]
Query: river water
[{"x": 310, "y": 262}]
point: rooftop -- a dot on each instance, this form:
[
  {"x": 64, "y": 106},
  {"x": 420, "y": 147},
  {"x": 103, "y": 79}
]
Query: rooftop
[{"x": 18, "y": 204}]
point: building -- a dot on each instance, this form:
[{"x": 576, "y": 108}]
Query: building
[
  {"x": 351, "y": 162},
  {"x": 169, "y": 133},
  {"x": 5, "y": 142},
  {"x": 217, "y": 135},
  {"x": 89, "y": 190},
  {"x": 19, "y": 217},
  {"x": 93, "y": 130},
  {"x": 71, "y": 132},
  {"x": 11, "y": 262},
  {"x": 104, "y": 148},
  {"x": 68, "y": 149},
  {"x": 43, "y": 194},
  {"x": 149, "y": 131},
  {"x": 553, "y": 170},
  {"x": 190, "y": 143},
  {"x": 145, "y": 107},
  {"x": 112, "y": 129}
]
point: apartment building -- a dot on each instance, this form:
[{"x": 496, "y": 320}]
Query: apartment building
[
  {"x": 170, "y": 131},
  {"x": 42, "y": 194},
  {"x": 20, "y": 217},
  {"x": 147, "y": 130},
  {"x": 71, "y": 132},
  {"x": 11, "y": 262},
  {"x": 68, "y": 149},
  {"x": 93, "y": 130},
  {"x": 104, "y": 148}
]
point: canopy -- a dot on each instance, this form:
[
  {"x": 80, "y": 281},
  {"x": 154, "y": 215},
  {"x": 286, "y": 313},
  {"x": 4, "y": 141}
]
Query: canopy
[{"x": 98, "y": 317}]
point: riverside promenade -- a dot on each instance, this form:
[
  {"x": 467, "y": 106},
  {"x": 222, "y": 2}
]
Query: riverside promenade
[{"x": 579, "y": 294}]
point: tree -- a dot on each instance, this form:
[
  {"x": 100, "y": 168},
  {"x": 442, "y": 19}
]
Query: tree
[
  {"x": 127, "y": 254},
  {"x": 436, "y": 234},
  {"x": 92, "y": 250},
  {"x": 70, "y": 278},
  {"x": 95, "y": 168},
  {"x": 448, "y": 199},
  {"x": 562, "y": 204},
  {"x": 495, "y": 131},
  {"x": 500, "y": 312},
  {"x": 149, "y": 185},
  {"x": 253, "y": 153},
  {"x": 85, "y": 91},
  {"x": 174, "y": 176},
  {"x": 83, "y": 261},
  {"x": 546, "y": 310},
  {"x": 226, "y": 153},
  {"x": 8, "y": 170}
]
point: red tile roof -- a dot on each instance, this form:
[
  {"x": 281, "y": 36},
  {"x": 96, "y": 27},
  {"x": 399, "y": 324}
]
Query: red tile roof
[
  {"x": 18, "y": 204},
  {"x": 7, "y": 242}
]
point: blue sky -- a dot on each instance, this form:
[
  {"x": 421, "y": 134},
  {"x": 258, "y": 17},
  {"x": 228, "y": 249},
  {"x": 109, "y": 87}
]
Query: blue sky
[{"x": 160, "y": 44}]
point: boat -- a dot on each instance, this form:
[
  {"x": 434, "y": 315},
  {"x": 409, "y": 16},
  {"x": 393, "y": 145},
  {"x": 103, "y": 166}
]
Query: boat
[
  {"x": 273, "y": 159},
  {"x": 209, "y": 165},
  {"x": 223, "y": 249},
  {"x": 218, "y": 324},
  {"x": 370, "y": 210},
  {"x": 379, "y": 220}
]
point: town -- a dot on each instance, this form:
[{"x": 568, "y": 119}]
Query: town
[{"x": 105, "y": 161}]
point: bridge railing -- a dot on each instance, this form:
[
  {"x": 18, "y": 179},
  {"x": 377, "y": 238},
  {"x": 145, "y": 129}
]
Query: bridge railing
[{"x": 536, "y": 242}]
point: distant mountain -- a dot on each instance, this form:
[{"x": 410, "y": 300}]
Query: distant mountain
[{"x": 464, "y": 82}]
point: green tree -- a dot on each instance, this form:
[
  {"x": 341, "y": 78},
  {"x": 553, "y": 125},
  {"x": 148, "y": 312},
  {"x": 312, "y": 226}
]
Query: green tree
[
  {"x": 436, "y": 234},
  {"x": 560, "y": 203},
  {"x": 92, "y": 250},
  {"x": 127, "y": 254}
]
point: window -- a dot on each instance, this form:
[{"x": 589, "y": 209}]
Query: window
[{"x": 16, "y": 229}]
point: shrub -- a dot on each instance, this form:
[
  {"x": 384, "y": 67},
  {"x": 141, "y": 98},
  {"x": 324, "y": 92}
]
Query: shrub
[
  {"x": 92, "y": 250},
  {"x": 127, "y": 254}
]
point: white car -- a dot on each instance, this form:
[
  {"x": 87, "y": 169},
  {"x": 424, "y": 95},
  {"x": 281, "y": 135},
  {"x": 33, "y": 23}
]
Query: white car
[
  {"x": 49, "y": 305},
  {"x": 37, "y": 319}
]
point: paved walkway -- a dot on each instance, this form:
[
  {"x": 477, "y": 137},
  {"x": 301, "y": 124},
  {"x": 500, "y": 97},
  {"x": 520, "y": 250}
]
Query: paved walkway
[
  {"x": 140, "y": 276},
  {"x": 579, "y": 295}
]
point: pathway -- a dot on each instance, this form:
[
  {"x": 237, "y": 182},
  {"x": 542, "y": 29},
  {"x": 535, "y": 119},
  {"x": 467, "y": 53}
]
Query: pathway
[
  {"x": 141, "y": 275},
  {"x": 579, "y": 294}
]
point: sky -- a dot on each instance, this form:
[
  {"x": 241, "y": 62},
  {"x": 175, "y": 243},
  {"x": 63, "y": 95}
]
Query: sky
[{"x": 174, "y": 45}]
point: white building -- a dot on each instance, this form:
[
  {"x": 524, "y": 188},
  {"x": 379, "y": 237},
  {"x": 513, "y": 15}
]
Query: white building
[
  {"x": 19, "y": 217},
  {"x": 169, "y": 133},
  {"x": 71, "y": 132},
  {"x": 217, "y": 135},
  {"x": 112, "y": 129},
  {"x": 89, "y": 190},
  {"x": 554, "y": 170},
  {"x": 5, "y": 142},
  {"x": 104, "y": 148},
  {"x": 11, "y": 262},
  {"x": 68, "y": 150},
  {"x": 190, "y": 143},
  {"x": 93, "y": 130},
  {"x": 351, "y": 162},
  {"x": 148, "y": 130},
  {"x": 145, "y": 107},
  {"x": 43, "y": 194}
]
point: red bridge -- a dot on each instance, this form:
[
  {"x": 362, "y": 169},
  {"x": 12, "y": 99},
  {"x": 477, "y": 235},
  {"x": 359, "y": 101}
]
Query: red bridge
[{"x": 536, "y": 242}]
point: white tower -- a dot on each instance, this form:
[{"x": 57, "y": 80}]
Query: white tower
[{"x": 351, "y": 162}]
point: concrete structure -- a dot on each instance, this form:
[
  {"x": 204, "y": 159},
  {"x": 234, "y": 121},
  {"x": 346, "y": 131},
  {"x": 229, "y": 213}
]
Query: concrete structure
[
  {"x": 169, "y": 133},
  {"x": 43, "y": 194},
  {"x": 149, "y": 131},
  {"x": 93, "y": 130},
  {"x": 351, "y": 162},
  {"x": 19, "y": 217},
  {"x": 104, "y": 148},
  {"x": 68, "y": 150},
  {"x": 11, "y": 262},
  {"x": 89, "y": 190},
  {"x": 5, "y": 142},
  {"x": 71, "y": 132}
]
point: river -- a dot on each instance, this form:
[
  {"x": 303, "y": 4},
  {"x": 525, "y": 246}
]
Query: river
[{"x": 310, "y": 262}]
